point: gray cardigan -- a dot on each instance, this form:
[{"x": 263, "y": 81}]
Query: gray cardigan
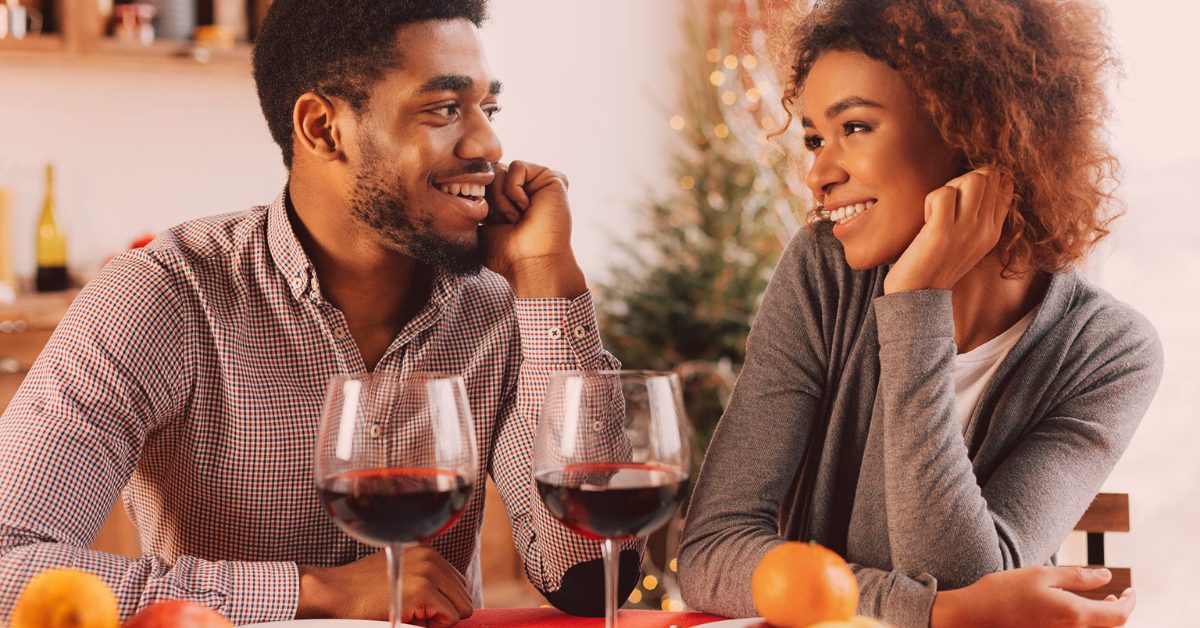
[{"x": 900, "y": 492}]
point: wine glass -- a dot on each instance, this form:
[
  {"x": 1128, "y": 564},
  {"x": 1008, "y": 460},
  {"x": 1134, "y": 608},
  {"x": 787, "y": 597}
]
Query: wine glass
[
  {"x": 395, "y": 461},
  {"x": 612, "y": 457}
]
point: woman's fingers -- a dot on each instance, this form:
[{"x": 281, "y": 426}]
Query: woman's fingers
[
  {"x": 1077, "y": 578},
  {"x": 972, "y": 195},
  {"x": 1108, "y": 613},
  {"x": 940, "y": 207}
]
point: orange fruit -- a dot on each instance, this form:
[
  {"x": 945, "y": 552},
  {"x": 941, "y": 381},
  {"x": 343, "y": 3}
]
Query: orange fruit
[
  {"x": 65, "y": 598},
  {"x": 799, "y": 584}
]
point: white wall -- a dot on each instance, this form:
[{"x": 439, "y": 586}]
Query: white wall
[
  {"x": 143, "y": 148},
  {"x": 1153, "y": 263}
]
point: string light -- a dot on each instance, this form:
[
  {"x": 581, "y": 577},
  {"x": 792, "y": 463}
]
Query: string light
[
  {"x": 677, "y": 122},
  {"x": 752, "y": 94},
  {"x": 713, "y": 55},
  {"x": 687, "y": 182},
  {"x": 721, "y": 131},
  {"x": 635, "y": 597},
  {"x": 649, "y": 582},
  {"x": 673, "y": 565},
  {"x": 750, "y": 62},
  {"x": 666, "y": 603},
  {"x": 717, "y": 78},
  {"x": 729, "y": 97},
  {"x": 731, "y": 61}
]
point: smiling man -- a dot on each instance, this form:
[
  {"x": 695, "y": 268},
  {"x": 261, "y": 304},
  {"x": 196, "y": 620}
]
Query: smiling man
[{"x": 189, "y": 375}]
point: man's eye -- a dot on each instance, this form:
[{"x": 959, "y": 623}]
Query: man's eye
[
  {"x": 492, "y": 111},
  {"x": 446, "y": 111},
  {"x": 813, "y": 142}
]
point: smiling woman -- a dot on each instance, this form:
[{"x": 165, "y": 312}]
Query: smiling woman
[{"x": 931, "y": 390}]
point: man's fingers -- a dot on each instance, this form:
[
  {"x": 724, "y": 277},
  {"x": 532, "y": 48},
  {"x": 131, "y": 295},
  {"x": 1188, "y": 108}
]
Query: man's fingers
[
  {"x": 435, "y": 610},
  {"x": 501, "y": 209},
  {"x": 514, "y": 184}
]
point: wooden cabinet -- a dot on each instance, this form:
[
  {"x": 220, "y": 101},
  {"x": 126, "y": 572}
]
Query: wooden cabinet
[{"x": 81, "y": 29}]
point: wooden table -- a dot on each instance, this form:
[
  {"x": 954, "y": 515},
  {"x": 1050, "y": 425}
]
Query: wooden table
[{"x": 551, "y": 618}]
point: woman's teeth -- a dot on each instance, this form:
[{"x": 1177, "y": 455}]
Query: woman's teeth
[
  {"x": 845, "y": 213},
  {"x": 462, "y": 189}
]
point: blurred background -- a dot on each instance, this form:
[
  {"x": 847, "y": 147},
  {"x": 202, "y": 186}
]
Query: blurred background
[{"x": 656, "y": 110}]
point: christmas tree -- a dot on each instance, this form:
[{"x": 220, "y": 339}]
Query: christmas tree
[{"x": 690, "y": 283}]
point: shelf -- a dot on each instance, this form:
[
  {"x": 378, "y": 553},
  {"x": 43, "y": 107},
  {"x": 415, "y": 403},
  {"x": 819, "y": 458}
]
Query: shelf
[{"x": 34, "y": 44}]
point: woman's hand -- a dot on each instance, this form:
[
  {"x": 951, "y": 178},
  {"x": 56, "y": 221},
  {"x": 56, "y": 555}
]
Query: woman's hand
[
  {"x": 963, "y": 220},
  {"x": 1032, "y": 597}
]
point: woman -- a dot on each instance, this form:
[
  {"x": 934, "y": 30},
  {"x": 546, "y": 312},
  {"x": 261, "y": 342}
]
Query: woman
[{"x": 930, "y": 389}]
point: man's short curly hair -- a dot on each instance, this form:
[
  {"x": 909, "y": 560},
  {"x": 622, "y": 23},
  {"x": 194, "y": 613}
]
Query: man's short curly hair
[
  {"x": 335, "y": 48},
  {"x": 1016, "y": 83}
]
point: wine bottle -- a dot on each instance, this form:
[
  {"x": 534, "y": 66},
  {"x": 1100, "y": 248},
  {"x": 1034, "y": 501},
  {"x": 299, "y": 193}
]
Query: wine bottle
[{"x": 51, "y": 245}]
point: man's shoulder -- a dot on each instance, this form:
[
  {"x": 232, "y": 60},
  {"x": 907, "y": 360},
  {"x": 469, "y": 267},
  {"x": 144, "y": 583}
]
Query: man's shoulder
[
  {"x": 216, "y": 235},
  {"x": 486, "y": 294},
  {"x": 171, "y": 265}
]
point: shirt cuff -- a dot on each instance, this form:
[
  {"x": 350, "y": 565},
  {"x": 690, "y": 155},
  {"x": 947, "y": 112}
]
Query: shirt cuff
[
  {"x": 560, "y": 334},
  {"x": 919, "y": 314},
  {"x": 262, "y": 592}
]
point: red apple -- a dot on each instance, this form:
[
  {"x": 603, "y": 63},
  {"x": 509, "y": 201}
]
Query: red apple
[{"x": 177, "y": 614}]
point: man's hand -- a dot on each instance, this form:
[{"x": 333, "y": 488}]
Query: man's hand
[
  {"x": 434, "y": 593},
  {"x": 1032, "y": 597},
  {"x": 528, "y": 233},
  {"x": 963, "y": 220}
]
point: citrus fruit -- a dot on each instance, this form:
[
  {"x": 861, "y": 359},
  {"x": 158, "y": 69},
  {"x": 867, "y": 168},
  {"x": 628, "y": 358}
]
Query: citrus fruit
[
  {"x": 799, "y": 584},
  {"x": 65, "y": 598}
]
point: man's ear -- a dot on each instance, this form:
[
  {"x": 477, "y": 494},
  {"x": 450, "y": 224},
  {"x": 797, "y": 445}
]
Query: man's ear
[{"x": 315, "y": 127}]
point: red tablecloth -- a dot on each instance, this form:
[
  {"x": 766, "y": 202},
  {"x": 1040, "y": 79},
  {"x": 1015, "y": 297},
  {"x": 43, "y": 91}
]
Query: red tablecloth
[{"x": 551, "y": 618}]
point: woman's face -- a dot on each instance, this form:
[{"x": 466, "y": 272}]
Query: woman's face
[{"x": 876, "y": 154}]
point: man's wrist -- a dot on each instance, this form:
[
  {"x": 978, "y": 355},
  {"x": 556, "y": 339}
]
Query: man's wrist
[
  {"x": 557, "y": 277},
  {"x": 313, "y": 601}
]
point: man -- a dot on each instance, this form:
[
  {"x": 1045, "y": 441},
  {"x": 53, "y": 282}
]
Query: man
[{"x": 191, "y": 373}]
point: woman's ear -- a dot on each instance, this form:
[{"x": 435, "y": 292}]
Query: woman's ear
[{"x": 315, "y": 131}]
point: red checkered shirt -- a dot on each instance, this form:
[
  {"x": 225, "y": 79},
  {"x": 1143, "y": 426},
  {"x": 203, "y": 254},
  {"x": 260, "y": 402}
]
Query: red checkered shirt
[{"x": 188, "y": 379}]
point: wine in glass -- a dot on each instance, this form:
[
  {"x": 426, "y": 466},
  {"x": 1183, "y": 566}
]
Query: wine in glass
[
  {"x": 612, "y": 457},
  {"x": 395, "y": 461}
]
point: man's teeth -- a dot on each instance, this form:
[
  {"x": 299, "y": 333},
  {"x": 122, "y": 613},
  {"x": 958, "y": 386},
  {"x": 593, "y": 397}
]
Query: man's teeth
[
  {"x": 845, "y": 213},
  {"x": 462, "y": 189}
]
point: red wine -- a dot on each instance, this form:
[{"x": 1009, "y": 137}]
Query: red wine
[
  {"x": 384, "y": 506},
  {"x": 612, "y": 501}
]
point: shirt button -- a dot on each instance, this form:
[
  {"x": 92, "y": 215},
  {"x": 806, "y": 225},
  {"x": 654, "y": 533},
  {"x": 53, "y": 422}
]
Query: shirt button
[
  {"x": 580, "y": 332},
  {"x": 555, "y": 333},
  {"x": 376, "y": 430},
  {"x": 597, "y": 426},
  {"x": 339, "y": 333},
  {"x": 297, "y": 282}
]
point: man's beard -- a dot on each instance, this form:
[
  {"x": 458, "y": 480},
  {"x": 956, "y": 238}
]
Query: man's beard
[{"x": 388, "y": 211}]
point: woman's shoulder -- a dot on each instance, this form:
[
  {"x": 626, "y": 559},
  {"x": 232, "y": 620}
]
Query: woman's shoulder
[{"x": 1098, "y": 326}]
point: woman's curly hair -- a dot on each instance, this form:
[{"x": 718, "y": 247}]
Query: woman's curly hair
[{"x": 1015, "y": 83}]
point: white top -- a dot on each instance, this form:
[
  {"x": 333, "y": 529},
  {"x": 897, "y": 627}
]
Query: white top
[{"x": 973, "y": 370}]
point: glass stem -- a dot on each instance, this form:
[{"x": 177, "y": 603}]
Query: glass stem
[
  {"x": 395, "y": 570},
  {"x": 608, "y": 549}
]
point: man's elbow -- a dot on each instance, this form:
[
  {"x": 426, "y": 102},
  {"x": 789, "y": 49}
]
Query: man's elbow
[{"x": 582, "y": 589}]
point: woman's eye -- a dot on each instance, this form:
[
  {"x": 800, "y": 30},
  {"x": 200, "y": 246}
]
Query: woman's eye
[
  {"x": 851, "y": 128},
  {"x": 813, "y": 142}
]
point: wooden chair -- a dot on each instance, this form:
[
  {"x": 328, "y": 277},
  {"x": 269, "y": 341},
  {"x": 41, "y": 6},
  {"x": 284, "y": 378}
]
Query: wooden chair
[{"x": 1109, "y": 512}]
